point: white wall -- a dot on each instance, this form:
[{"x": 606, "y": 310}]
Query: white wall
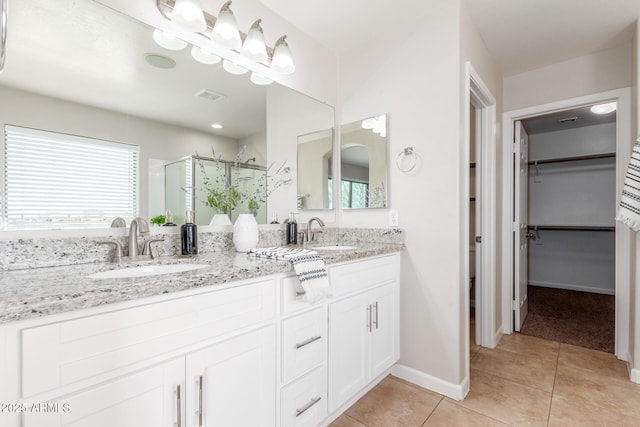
[
  {"x": 585, "y": 75},
  {"x": 156, "y": 140}
]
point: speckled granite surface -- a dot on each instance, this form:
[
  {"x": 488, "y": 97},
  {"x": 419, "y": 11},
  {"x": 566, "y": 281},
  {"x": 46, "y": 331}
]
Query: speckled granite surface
[{"x": 37, "y": 292}]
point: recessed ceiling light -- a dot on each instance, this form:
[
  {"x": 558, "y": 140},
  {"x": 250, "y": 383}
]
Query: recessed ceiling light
[
  {"x": 159, "y": 61},
  {"x": 607, "y": 108},
  {"x": 217, "y": 126}
]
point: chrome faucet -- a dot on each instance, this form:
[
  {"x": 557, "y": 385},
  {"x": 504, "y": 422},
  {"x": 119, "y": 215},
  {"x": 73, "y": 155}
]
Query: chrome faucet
[
  {"x": 137, "y": 226},
  {"x": 311, "y": 236}
]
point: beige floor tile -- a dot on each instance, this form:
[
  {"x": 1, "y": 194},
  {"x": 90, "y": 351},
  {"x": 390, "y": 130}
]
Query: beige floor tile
[
  {"x": 507, "y": 401},
  {"x": 524, "y": 368},
  {"x": 610, "y": 395},
  {"x": 394, "y": 403},
  {"x": 568, "y": 412},
  {"x": 346, "y": 421},
  {"x": 592, "y": 360},
  {"x": 450, "y": 414},
  {"x": 524, "y": 344}
]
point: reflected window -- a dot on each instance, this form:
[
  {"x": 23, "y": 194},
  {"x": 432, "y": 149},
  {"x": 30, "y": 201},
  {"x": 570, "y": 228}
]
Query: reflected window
[
  {"x": 54, "y": 180},
  {"x": 354, "y": 194}
]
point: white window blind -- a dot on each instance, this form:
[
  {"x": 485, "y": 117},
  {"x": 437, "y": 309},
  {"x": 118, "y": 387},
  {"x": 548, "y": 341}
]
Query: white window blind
[{"x": 53, "y": 180}]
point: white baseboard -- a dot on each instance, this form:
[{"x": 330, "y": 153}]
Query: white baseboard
[
  {"x": 634, "y": 374},
  {"x": 571, "y": 287},
  {"x": 451, "y": 390}
]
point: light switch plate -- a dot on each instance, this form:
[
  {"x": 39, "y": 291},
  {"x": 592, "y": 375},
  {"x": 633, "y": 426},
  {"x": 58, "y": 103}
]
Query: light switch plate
[{"x": 393, "y": 218}]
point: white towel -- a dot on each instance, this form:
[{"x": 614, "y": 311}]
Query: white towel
[
  {"x": 308, "y": 265},
  {"x": 629, "y": 209}
]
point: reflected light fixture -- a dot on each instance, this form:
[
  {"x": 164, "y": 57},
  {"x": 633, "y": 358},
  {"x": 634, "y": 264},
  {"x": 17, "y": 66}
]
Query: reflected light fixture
[
  {"x": 606, "y": 108},
  {"x": 233, "y": 68},
  {"x": 203, "y": 56},
  {"x": 189, "y": 15},
  {"x": 217, "y": 126},
  {"x": 254, "y": 47},
  {"x": 282, "y": 61},
  {"x": 167, "y": 40},
  {"x": 259, "y": 79},
  {"x": 225, "y": 31},
  {"x": 376, "y": 124}
]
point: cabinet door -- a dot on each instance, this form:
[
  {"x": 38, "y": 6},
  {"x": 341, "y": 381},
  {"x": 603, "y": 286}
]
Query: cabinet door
[
  {"x": 233, "y": 383},
  {"x": 385, "y": 339},
  {"x": 349, "y": 324},
  {"x": 147, "y": 398}
]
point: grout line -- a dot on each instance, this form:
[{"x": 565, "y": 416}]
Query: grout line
[
  {"x": 480, "y": 413},
  {"x": 432, "y": 411},
  {"x": 553, "y": 389}
]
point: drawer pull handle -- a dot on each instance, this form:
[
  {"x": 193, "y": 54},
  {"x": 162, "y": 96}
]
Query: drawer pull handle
[
  {"x": 307, "y": 342},
  {"x": 308, "y": 406},
  {"x": 200, "y": 392},
  {"x": 179, "y": 423},
  {"x": 300, "y": 293},
  {"x": 375, "y": 322}
]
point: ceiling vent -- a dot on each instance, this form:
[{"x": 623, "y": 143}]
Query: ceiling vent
[
  {"x": 209, "y": 94},
  {"x": 567, "y": 120}
]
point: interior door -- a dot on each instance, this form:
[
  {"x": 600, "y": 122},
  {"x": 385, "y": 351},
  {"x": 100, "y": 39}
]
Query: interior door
[{"x": 521, "y": 227}]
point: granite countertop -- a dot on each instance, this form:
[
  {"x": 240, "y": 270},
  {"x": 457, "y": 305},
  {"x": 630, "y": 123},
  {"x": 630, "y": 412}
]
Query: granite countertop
[{"x": 31, "y": 293}]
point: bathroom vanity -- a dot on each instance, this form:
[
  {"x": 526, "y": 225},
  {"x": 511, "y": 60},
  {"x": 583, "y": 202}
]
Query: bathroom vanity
[{"x": 229, "y": 345}]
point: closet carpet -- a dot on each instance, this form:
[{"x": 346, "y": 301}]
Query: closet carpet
[{"x": 579, "y": 318}]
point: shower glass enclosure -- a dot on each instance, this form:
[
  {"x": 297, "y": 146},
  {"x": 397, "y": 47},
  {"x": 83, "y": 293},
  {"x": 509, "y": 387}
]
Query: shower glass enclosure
[{"x": 188, "y": 181}]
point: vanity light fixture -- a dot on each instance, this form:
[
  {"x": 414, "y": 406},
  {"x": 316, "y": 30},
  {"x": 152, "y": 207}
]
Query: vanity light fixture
[
  {"x": 282, "y": 61},
  {"x": 254, "y": 47},
  {"x": 189, "y": 15},
  {"x": 259, "y": 79},
  {"x": 167, "y": 40},
  {"x": 606, "y": 108},
  {"x": 233, "y": 68},
  {"x": 225, "y": 30},
  {"x": 203, "y": 56}
]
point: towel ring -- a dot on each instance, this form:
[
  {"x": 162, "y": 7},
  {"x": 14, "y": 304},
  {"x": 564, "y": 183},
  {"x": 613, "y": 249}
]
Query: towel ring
[{"x": 410, "y": 153}]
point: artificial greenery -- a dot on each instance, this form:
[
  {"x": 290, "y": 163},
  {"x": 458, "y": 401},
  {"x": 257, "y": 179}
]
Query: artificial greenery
[
  {"x": 158, "y": 220},
  {"x": 223, "y": 200}
]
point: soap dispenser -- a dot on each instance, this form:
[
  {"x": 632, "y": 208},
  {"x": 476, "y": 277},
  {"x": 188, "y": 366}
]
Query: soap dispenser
[
  {"x": 292, "y": 230},
  {"x": 189, "y": 235}
]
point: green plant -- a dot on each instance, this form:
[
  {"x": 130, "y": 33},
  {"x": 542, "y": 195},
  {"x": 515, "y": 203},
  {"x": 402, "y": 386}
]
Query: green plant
[
  {"x": 253, "y": 205},
  {"x": 223, "y": 200},
  {"x": 158, "y": 220}
]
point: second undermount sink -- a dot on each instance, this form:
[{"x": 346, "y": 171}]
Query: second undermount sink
[
  {"x": 334, "y": 248},
  {"x": 146, "y": 270}
]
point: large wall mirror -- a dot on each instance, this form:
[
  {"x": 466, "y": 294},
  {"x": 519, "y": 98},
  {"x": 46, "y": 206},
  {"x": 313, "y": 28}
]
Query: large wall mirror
[
  {"x": 364, "y": 166},
  {"x": 315, "y": 156},
  {"x": 79, "y": 68}
]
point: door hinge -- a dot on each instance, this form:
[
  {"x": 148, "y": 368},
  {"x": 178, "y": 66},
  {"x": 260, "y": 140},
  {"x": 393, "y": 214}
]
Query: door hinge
[
  {"x": 514, "y": 304},
  {"x": 478, "y": 239},
  {"x": 514, "y": 226}
]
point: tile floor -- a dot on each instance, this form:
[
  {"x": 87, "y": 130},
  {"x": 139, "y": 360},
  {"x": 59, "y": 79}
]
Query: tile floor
[{"x": 524, "y": 381}]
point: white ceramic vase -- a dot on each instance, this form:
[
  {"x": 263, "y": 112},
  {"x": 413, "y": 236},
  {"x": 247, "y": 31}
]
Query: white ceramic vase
[
  {"x": 220, "y": 219},
  {"x": 245, "y": 232}
]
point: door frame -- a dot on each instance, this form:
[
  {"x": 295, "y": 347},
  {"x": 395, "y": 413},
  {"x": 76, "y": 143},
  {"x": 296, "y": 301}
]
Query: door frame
[
  {"x": 624, "y": 144},
  {"x": 478, "y": 94}
]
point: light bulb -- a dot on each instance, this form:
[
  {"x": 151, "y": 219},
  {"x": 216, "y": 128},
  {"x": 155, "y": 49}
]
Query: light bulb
[
  {"x": 203, "y": 56},
  {"x": 168, "y": 40},
  {"x": 233, "y": 68},
  {"x": 282, "y": 61},
  {"x": 188, "y": 14},
  {"x": 259, "y": 79},
  {"x": 254, "y": 47},
  {"x": 225, "y": 31}
]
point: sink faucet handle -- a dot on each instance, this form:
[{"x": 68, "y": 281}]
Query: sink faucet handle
[
  {"x": 314, "y": 236},
  {"x": 146, "y": 249},
  {"x": 117, "y": 256}
]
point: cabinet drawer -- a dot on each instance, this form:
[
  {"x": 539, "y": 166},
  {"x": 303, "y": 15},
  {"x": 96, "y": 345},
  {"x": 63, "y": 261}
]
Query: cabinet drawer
[
  {"x": 82, "y": 348},
  {"x": 304, "y": 340},
  {"x": 304, "y": 402},
  {"x": 291, "y": 295},
  {"x": 363, "y": 274}
]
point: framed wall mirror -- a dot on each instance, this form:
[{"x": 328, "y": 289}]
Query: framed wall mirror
[
  {"x": 364, "y": 163},
  {"x": 315, "y": 157},
  {"x": 77, "y": 67}
]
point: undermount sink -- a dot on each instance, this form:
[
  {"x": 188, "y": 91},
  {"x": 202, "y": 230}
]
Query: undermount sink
[
  {"x": 146, "y": 270},
  {"x": 334, "y": 248}
]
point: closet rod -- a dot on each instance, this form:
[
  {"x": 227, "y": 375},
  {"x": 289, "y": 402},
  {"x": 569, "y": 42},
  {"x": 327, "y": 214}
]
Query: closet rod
[
  {"x": 573, "y": 159},
  {"x": 571, "y": 228}
]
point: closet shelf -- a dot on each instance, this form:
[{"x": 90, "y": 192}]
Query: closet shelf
[
  {"x": 572, "y": 227},
  {"x": 573, "y": 159}
]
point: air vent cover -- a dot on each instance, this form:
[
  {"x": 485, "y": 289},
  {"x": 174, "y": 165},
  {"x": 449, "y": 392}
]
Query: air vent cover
[
  {"x": 567, "y": 120},
  {"x": 210, "y": 95}
]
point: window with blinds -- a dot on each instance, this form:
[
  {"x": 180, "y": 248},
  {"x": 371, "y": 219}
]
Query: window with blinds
[{"x": 53, "y": 180}]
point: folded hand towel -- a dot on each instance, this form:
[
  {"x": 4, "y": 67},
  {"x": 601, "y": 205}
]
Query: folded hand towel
[
  {"x": 629, "y": 209},
  {"x": 309, "y": 267}
]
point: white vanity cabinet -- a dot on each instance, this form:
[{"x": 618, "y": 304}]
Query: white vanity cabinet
[{"x": 364, "y": 330}]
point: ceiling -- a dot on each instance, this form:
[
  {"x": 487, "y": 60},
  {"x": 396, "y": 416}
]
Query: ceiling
[
  {"x": 520, "y": 34},
  {"x": 567, "y": 119}
]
